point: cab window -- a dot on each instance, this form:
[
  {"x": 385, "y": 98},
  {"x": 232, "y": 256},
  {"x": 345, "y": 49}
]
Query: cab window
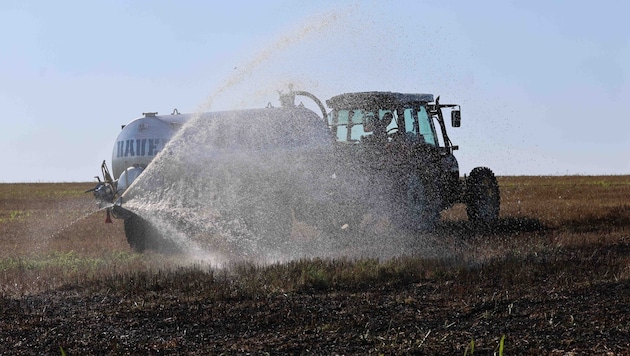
[
  {"x": 418, "y": 123},
  {"x": 350, "y": 125},
  {"x": 426, "y": 126}
]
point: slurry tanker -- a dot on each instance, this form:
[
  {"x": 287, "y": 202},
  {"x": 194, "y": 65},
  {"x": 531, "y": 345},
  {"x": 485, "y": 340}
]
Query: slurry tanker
[{"x": 394, "y": 146}]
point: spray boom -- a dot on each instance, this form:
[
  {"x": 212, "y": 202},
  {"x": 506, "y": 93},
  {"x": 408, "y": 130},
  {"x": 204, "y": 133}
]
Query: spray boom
[{"x": 105, "y": 190}]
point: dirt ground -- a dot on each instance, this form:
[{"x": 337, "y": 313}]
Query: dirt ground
[{"x": 551, "y": 277}]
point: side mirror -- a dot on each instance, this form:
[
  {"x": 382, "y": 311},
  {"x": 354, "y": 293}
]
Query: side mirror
[{"x": 456, "y": 118}]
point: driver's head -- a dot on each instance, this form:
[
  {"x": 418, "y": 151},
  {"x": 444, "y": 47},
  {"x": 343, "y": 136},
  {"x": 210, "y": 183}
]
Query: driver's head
[{"x": 387, "y": 118}]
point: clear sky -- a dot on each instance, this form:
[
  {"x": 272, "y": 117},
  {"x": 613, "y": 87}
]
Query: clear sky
[{"x": 544, "y": 85}]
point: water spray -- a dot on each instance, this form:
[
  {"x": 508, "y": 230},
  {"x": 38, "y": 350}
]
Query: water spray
[{"x": 361, "y": 178}]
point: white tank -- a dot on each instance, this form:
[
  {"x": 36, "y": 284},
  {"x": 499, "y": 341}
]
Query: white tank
[{"x": 142, "y": 139}]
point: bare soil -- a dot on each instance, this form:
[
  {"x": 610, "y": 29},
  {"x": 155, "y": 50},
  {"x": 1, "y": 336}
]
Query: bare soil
[{"x": 552, "y": 277}]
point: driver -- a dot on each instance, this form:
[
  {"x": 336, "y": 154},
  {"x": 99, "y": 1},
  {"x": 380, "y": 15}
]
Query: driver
[
  {"x": 377, "y": 127},
  {"x": 380, "y": 126}
]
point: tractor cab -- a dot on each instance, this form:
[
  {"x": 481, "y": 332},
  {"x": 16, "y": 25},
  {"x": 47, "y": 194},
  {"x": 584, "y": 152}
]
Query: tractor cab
[
  {"x": 404, "y": 134},
  {"x": 382, "y": 117}
]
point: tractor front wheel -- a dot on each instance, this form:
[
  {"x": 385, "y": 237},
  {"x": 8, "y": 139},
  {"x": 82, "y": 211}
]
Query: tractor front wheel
[{"x": 482, "y": 196}]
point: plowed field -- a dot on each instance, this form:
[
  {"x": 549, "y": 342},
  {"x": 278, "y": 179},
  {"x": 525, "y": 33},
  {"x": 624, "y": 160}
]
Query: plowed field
[{"x": 551, "y": 277}]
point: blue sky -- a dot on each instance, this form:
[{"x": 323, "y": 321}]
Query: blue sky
[{"x": 544, "y": 86}]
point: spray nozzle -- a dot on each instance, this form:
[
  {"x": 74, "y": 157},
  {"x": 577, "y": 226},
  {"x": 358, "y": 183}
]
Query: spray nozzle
[{"x": 118, "y": 211}]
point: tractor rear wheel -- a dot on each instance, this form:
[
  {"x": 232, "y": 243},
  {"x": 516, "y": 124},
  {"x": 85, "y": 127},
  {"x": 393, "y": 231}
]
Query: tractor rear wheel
[
  {"x": 482, "y": 196},
  {"x": 422, "y": 206}
]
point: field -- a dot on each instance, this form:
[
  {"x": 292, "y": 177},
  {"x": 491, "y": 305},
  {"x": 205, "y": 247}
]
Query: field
[{"x": 551, "y": 277}]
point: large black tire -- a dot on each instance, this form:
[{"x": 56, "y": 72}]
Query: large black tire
[
  {"x": 269, "y": 220},
  {"x": 143, "y": 236},
  {"x": 423, "y": 208},
  {"x": 135, "y": 230},
  {"x": 482, "y": 196}
]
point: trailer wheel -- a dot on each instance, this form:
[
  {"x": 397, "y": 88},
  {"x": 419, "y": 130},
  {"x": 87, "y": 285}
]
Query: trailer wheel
[
  {"x": 482, "y": 196},
  {"x": 270, "y": 222},
  {"x": 135, "y": 230},
  {"x": 143, "y": 236}
]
